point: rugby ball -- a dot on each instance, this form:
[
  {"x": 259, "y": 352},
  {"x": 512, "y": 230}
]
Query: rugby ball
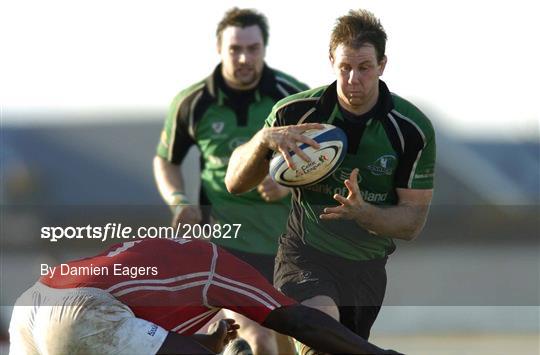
[{"x": 324, "y": 161}]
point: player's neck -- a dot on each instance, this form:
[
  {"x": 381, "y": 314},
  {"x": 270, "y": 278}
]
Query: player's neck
[{"x": 236, "y": 86}]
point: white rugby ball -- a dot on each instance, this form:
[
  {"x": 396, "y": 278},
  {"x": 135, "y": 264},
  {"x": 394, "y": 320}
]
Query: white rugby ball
[{"x": 324, "y": 161}]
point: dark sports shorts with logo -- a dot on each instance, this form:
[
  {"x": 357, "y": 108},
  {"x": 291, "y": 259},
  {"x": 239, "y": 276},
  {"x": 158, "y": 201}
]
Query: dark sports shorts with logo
[{"x": 357, "y": 287}]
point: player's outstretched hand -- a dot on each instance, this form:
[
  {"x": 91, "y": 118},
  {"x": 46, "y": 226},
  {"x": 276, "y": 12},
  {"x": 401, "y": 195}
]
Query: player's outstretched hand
[
  {"x": 285, "y": 140},
  {"x": 221, "y": 333},
  {"x": 186, "y": 214},
  {"x": 349, "y": 206}
]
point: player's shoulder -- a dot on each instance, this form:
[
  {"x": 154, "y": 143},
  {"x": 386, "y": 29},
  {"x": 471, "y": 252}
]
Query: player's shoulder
[
  {"x": 306, "y": 98},
  {"x": 190, "y": 91},
  {"x": 291, "y": 109},
  {"x": 408, "y": 112},
  {"x": 289, "y": 82},
  {"x": 183, "y": 103}
]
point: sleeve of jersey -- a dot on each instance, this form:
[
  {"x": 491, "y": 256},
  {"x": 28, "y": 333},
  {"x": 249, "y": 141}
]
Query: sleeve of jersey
[
  {"x": 237, "y": 286},
  {"x": 175, "y": 139},
  {"x": 425, "y": 169},
  {"x": 416, "y": 169},
  {"x": 271, "y": 120}
]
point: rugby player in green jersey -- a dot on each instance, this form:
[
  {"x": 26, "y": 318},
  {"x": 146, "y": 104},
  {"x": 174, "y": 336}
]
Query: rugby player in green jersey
[
  {"x": 217, "y": 114},
  {"x": 341, "y": 230}
]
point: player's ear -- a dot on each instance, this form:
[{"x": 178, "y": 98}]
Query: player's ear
[
  {"x": 382, "y": 65},
  {"x": 332, "y": 60},
  {"x": 218, "y": 44}
]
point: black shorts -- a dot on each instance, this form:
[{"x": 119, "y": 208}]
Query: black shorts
[
  {"x": 357, "y": 287},
  {"x": 263, "y": 263}
]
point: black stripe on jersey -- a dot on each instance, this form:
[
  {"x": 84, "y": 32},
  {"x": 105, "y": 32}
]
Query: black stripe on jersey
[
  {"x": 288, "y": 87},
  {"x": 393, "y": 134},
  {"x": 413, "y": 143},
  {"x": 200, "y": 109},
  {"x": 295, "y": 223},
  {"x": 268, "y": 85},
  {"x": 189, "y": 113},
  {"x": 240, "y": 103},
  {"x": 293, "y": 111},
  {"x": 354, "y": 133},
  {"x": 276, "y": 86},
  {"x": 182, "y": 139}
]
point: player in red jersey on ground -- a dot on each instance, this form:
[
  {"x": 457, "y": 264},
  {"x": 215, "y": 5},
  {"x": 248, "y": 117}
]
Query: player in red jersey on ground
[{"x": 148, "y": 296}]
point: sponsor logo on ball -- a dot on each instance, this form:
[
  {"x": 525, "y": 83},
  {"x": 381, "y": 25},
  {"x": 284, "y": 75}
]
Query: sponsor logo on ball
[
  {"x": 317, "y": 167},
  {"x": 323, "y": 161}
]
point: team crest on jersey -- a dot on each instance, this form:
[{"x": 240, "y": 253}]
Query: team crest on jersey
[
  {"x": 218, "y": 127},
  {"x": 384, "y": 165}
]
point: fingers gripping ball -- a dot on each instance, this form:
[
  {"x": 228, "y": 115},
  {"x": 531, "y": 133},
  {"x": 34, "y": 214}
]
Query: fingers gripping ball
[{"x": 324, "y": 161}]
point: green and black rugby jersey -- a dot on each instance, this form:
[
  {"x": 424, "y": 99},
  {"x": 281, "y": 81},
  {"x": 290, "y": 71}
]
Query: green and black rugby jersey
[
  {"x": 218, "y": 119},
  {"x": 393, "y": 146}
]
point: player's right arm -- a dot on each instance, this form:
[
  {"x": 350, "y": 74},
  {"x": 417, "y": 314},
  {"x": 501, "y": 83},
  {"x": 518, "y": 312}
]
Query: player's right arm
[
  {"x": 173, "y": 146},
  {"x": 319, "y": 330},
  {"x": 170, "y": 184},
  {"x": 249, "y": 162}
]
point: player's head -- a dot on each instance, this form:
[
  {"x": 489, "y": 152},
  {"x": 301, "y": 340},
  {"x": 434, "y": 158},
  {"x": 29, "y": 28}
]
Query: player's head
[
  {"x": 357, "y": 54},
  {"x": 242, "y": 36}
]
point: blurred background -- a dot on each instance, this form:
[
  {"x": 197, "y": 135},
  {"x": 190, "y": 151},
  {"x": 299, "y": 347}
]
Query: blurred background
[{"x": 86, "y": 85}]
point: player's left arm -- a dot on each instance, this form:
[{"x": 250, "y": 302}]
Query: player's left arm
[
  {"x": 402, "y": 221},
  {"x": 413, "y": 181}
]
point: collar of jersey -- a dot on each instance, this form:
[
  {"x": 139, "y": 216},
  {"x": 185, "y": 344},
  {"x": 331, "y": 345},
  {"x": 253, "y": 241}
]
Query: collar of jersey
[{"x": 328, "y": 106}]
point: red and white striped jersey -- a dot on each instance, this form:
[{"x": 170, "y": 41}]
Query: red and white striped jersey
[{"x": 176, "y": 283}]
